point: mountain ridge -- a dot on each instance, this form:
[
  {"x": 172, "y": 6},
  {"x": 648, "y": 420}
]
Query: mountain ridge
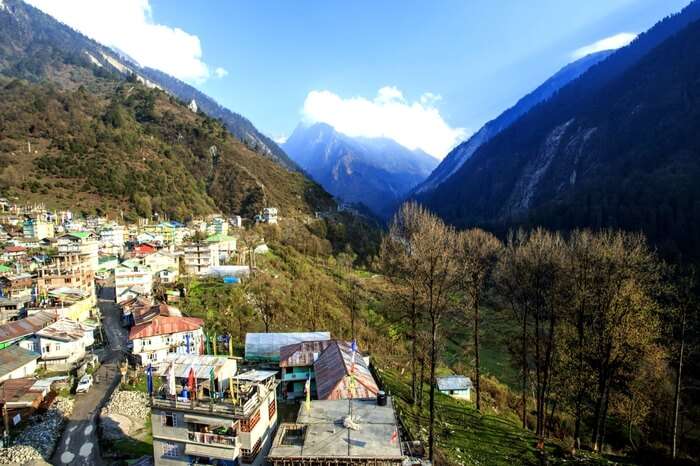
[
  {"x": 129, "y": 146},
  {"x": 615, "y": 148},
  {"x": 460, "y": 154},
  {"x": 376, "y": 172}
]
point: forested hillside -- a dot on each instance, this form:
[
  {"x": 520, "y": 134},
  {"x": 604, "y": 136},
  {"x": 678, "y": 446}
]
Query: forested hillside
[
  {"x": 79, "y": 129},
  {"x": 135, "y": 149},
  {"x": 617, "y": 148}
]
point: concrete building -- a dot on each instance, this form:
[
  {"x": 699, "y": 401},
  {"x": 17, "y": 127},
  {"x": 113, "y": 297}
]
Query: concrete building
[
  {"x": 17, "y": 362},
  {"x": 199, "y": 257},
  {"x": 231, "y": 423},
  {"x": 69, "y": 271},
  {"x": 217, "y": 226},
  {"x": 18, "y": 330},
  {"x": 225, "y": 244},
  {"x": 112, "y": 238},
  {"x": 340, "y": 432},
  {"x": 63, "y": 345},
  {"x": 165, "y": 334},
  {"x": 269, "y": 215},
  {"x": 37, "y": 228},
  {"x": 138, "y": 278},
  {"x": 80, "y": 243}
]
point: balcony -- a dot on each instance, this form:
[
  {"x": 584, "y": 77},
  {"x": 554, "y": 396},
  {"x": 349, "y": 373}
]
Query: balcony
[
  {"x": 213, "y": 439},
  {"x": 206, "y": 406},
  {"x": 212, "y": 450}
]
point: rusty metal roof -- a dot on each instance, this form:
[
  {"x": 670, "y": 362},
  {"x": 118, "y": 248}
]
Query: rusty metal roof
[
  {"x": 164, "y": 325},
  {"x": 65, "y": 330},
  {"x": 148, "y": 313},
  {"x": 19, "y": 391},
  {"x": 302, "y": 354},
  {"x": 338, "y": 378},
  {"x": 25, "y": 327},
  {"x": 14, "y": 357}
]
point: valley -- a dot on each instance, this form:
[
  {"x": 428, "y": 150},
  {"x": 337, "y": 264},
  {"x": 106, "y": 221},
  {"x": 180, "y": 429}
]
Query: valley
[{"x": 404, "y": 237}]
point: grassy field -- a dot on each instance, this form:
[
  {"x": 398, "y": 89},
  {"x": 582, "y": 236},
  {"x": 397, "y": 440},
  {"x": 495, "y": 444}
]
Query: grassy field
[
  {"x": 467, "y": 437},
  {"x": 464, "y": 436},
  {"x": 497, "y": 330}
]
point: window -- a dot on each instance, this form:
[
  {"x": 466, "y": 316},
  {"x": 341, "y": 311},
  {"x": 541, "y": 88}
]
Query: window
[
  {"x": 169, "y": 419},
  {"x": 171, "y": 449}
]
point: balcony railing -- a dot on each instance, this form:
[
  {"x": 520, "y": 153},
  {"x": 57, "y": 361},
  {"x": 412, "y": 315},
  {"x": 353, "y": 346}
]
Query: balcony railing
[
  {"x": 212, "y": 439},
  {"x": 225, "y": 408}
]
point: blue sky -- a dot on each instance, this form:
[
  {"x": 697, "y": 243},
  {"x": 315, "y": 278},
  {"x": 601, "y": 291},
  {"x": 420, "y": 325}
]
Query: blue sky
[{"x": 444, "y": 68}]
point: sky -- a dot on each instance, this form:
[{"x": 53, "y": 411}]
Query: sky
[{"x": 427, "y": 74}]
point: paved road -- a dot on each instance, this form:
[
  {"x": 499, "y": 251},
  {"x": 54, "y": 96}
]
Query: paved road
[{"x": 79, "y": 444}]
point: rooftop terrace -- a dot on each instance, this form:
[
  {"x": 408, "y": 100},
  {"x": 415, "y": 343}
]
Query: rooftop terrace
[{"x": 321, "y": 433}]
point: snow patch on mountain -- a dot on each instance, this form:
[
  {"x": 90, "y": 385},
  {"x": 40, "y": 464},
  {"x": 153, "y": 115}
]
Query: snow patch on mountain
[{"x": 94, "y": 60}]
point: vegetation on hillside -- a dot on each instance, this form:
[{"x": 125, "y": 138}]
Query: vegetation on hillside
[
  {"x": 592, "y": 355},
  {"x": 137, "y": 150}
]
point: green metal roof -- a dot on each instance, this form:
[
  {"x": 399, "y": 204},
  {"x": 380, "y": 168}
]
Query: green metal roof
[
  {"x": 219, "y": 237},
  {"x": 79, "y": 234}
]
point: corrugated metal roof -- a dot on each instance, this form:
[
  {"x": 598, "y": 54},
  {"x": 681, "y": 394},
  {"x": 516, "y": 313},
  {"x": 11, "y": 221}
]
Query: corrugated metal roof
[
  {"x": 65, "y": 330},
  {"x": 19, "y": 390},
  {"x": 25, "y": 327},
  {"x": 14, "y": 357},
  {"x": 164, "y": 325},
  {"x": 255, "y": 375},
  {"x": 147, "y": 314},
  {"x": 266, "y": 346},
  {"x": 333, "y": 370},
  {"x": 454, "y": 382},
  {"x": 302, "y": 354},
  {"x": 201, "y": 364}
]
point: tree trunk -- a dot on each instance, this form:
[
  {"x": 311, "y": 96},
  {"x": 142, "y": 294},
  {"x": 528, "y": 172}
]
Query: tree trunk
[
  {"x": 579, "y": 385},
  {"x": 524, "y": 369},
  {"x": 600, "y": 412},
  {"x": 433, "y": 363},
  {"x": 414, "y": 343},
  {"x": 476, "y": 354},
  {"x": 677, "y": 395}
]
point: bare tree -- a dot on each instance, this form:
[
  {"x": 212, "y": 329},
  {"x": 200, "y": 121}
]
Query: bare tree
[
  {"x": 477, "y": 253},
  {"x": 535, "y": 282},
  {"x": 264, "y": 295},
  {"x": 427, "y": 246},
  {"x": 397, "y": 263}
]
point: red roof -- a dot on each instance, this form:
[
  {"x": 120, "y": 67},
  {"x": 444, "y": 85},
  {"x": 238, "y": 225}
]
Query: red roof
[
  {"x": 145, "y": 248},
  {"x": 15, "y": 249},
  {"x": 165, "y": 325}
]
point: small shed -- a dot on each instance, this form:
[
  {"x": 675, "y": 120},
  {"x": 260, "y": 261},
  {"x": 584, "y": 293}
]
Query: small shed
[{"x": 457, "y": 386}]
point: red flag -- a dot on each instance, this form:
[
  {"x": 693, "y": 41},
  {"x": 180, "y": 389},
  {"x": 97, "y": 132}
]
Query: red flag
[{"x": 191, "y": 382}]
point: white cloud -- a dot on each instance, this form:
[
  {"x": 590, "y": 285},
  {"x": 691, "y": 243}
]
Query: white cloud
[
  {"x": 220, "y": 72},
  {"x": 280, "y": 139},
  {"x": 128, "y": 25},
  {"x": 609, "y": 43},
  {"x": 413, "y": 124}
]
